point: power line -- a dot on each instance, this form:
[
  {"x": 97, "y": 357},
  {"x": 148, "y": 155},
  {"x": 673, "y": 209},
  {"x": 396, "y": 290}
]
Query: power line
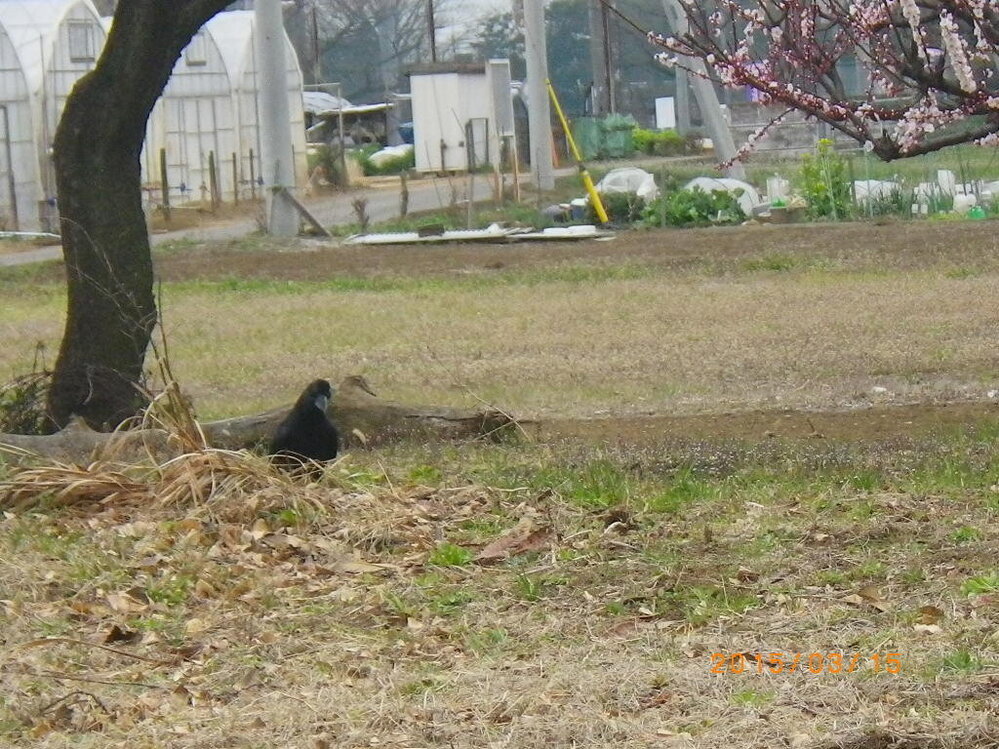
[{"x": 609, "y": 6}]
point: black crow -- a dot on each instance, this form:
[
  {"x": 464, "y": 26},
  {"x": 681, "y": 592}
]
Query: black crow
[{"x": 306, "y": 433}]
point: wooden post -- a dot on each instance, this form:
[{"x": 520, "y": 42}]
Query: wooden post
[
  {"x": 164, "y": 185},
  {"x": 403, "y": 195},
  {"x": 235, "y": 179},
  {"x": 253, "y": 178},
  {"x": 515, "y": 161},
  {"x": 213, "y": 181}
]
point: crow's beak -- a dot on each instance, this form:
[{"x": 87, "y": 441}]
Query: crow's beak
[{"x": 322, "y": 401}]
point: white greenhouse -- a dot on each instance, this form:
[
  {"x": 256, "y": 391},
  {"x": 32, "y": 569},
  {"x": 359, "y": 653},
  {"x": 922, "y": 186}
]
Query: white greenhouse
[
  {"x": 18, "y": 155},
  {"x": 194, "y": 123},
  {"x": 57, "y": 42},
  {"x": 208, "y": 110},
  {"x": 233, "y": 33}
]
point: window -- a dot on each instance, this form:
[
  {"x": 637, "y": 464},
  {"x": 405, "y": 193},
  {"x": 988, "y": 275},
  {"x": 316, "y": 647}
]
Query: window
[
  {"x": 81, "y": 41},
  {"x": 195, "y": 53}
]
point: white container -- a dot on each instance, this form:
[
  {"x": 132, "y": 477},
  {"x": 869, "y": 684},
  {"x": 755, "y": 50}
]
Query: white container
[
  {"x": 947, "y": 181},
  {"x": 964, "y": 203},
  {"x": 777, "y": 187}
]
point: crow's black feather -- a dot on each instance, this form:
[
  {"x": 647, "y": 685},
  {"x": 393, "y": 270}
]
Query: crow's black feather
[{"x": 306, "y": 433}]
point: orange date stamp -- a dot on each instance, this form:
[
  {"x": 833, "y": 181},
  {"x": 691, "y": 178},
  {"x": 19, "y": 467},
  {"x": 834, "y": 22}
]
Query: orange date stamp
[{"x": 779, "y": 662}]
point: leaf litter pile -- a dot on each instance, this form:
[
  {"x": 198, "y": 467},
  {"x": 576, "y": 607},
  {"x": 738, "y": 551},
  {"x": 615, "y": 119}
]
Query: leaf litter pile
[{"x": 210, "y": 601}]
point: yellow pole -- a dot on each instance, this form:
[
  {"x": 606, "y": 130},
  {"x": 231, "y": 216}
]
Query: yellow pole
[{"x": 598, "y": 205}]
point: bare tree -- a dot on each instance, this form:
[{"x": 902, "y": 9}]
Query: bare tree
[
  {"x": 111, "y": 311},
  {"x": 387, "y": 34}
]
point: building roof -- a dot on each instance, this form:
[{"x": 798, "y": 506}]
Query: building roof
[
  {"x": 320, "y": 104},
  {"x": 437, "y": 68}
]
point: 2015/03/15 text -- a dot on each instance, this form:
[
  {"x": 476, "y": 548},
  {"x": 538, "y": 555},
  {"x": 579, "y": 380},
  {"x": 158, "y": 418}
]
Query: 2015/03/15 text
[{"x": 779, "y": 662}]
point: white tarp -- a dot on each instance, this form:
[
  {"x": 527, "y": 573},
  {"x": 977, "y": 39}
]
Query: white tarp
[
  {"x": 629, "y": 179},
  {"x": 390, "y": 152}
]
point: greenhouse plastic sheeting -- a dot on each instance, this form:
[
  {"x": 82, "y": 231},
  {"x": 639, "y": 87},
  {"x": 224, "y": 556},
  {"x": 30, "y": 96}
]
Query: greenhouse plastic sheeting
[
  {"x": 588, "y": 136},
  {"x": 618, "y": 141}
]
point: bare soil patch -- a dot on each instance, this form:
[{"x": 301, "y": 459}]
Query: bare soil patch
[
  {"x": 900, "y": 244},
  {"x": 856, "y": 425}
]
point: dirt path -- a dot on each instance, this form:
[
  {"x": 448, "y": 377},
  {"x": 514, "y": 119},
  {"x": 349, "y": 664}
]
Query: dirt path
[
  {"x": 906, "y": 244},
  {"x": 857, "y": 425}
]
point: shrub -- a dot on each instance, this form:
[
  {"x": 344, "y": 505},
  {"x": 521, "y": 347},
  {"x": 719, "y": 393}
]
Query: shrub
[
  {"x": 825, "y": 184},
  {"x": 669, "y": 143},
  {"x": 621, "y": 207},
  {"x": 643, "y": 139},
  {"x": 694, "y": 207},
  {"x": 659, "y": 142},
  {"x": 23, "y": 408}
]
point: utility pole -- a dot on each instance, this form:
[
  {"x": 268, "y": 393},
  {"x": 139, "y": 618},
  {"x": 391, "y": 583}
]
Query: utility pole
[
  {"x": 317, "y": 75},
  {"x": 598, "y": 93},
  {"x": 608, "y": 56},
  {"x": 704, "y": 91},
  {"x": 386, "y": 29},
  {"x": 539, "y": 112},
  {"x": 432, "y": 29},
  {"x": 277, "y": 167},
  {"x": 602, "y": 55},
  {"x": 682, "y": 101}
]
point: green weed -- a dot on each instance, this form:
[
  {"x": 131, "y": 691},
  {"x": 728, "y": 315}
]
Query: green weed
[
  {"x": 450, "y": 555},
  {"x": 984, "y": 584}
]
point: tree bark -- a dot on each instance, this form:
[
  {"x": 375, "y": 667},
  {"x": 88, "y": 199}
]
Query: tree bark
[
  {"x": 111, "y": 311},
  {"x": 361, "y": 417}
]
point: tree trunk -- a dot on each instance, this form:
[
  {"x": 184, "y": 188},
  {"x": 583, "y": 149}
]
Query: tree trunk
[{"x": 111, "y": 310}]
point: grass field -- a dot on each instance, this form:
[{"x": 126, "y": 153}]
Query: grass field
[
  {"x": 609, "y": 589},
  {"x": 814, "y": 316}
]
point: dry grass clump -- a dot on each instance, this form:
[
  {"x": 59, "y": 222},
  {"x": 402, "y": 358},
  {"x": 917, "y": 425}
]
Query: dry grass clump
[
  {"x": 230, "y": 486},
  {"x": 61, "y": 485}
]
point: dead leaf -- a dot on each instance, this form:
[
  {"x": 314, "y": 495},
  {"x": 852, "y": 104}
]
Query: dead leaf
[
  {"x": 117, "y": 634},
  {"x": 930, "y": 615},
  {"x": 180, "y": 696},
  {"x": 928, "y": 629},
  {"x": 259, "y": 529},
  {"x": 867, "y": 596},
  {"x": 522, "y": 538},
  {"x": 870, "y": 593},
  {"x": 356, "y": 567},
  {"x": 195, "y": 626},
  {"x": 131, "y": 601}
]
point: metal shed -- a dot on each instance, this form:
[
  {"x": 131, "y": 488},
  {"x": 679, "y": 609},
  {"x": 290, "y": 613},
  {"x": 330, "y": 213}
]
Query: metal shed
[
  {"x": 57, "y": 42},
  {"x": 194, "y": 122},
  {"x": 19, "y": 187},
  {"x": 455, "y": 115},
  {"x": 233, "y": 33}
]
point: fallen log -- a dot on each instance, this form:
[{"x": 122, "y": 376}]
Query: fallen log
[{"x": 362, "y": 418}]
